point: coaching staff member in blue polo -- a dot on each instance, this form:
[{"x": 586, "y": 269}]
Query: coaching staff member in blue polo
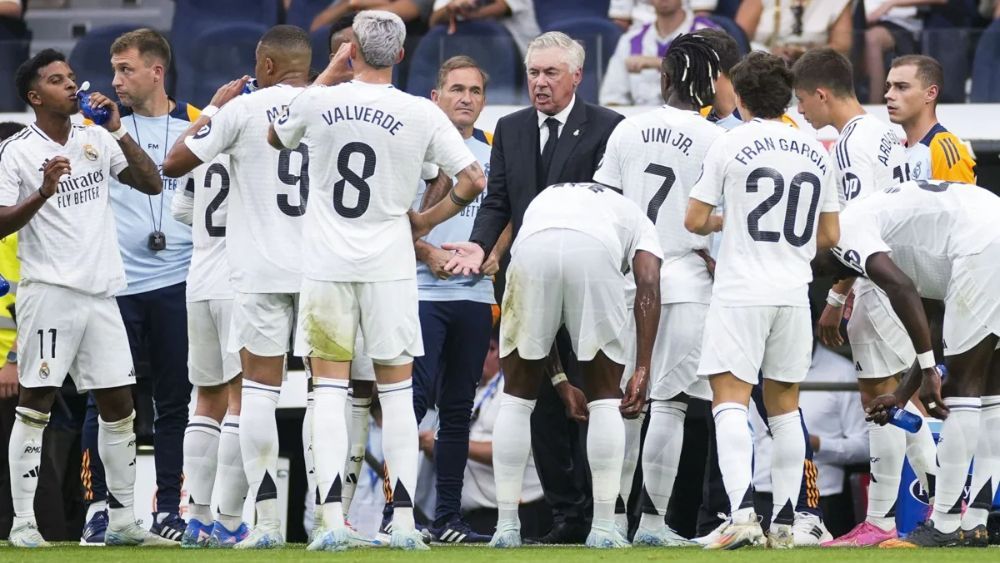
[{"x": 561, "y": 138}]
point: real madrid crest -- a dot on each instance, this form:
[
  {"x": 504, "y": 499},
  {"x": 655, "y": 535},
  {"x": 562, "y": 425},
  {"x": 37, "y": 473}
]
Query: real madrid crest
[
  {"x": 90, "y": 152},
  {"x": 43, "y": 371}
]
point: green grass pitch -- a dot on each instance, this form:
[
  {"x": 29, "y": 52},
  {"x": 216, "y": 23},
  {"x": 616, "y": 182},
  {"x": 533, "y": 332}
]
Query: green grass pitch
[{"x": 67, "y": 553}]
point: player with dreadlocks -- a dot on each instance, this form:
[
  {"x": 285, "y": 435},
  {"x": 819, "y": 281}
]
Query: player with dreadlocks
[{"x": 654, "y": 158}]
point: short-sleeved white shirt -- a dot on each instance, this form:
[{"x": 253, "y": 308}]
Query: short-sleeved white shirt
[
  {"x": 868, "y": 157},
  {"x": 268, "y": 191},
  {"x": 71, "y": 241},
  {"x": 654, "y": 159},
  {"x": 925, "y": 225},
  {"x": 210, "y": 275},
  {"x": 775, "y": 181},
  {"x": 374, "y": 139},
  {"x": 600, "y": 212}
]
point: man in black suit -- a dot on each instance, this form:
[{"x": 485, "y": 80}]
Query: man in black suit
[{"x": 559, "y": 139}]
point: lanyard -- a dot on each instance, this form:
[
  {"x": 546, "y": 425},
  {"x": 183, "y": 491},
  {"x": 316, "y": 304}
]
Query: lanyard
[{"x": 157, "y": 222}]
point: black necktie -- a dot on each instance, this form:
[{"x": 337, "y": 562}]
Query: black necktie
[{"x": 548, "y": 151}]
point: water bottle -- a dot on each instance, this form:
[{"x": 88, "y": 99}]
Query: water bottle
[
  {"x": 943, "y": 371},
  {"x": 99, "y": 116},
  {"x": 251, "y": 86},
  {"x": 4, "y": 286},
  {"x": 905, "y": 419}
]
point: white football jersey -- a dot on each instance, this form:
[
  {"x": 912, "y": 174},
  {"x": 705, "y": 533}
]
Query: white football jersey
[
  {"x": 597, "y": 211},
  {"x": 925, "y": 225},
  {"x": 775, "y": 181},
  {"x": 374, "y": 139},
  {"x": 868, "y": 157},
  {"x": 71, "y": 241},
  {"x": 655, "y": 158},
  {"x": 268, "y": 191},
  {"x": 210, "y": 275}
]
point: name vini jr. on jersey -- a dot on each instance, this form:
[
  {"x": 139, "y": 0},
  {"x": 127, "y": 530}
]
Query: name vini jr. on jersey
[{"x": 79, "y": 189}]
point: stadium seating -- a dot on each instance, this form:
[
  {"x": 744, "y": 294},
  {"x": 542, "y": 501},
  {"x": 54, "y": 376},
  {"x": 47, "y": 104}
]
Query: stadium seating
[
  {"x": 302, "y": 12},
  {"x": 728, "y": 8},
  {"x": 487, "y": 42},
  {"x": 14, "y": 49},
  {"x": 320, "y": 47},
  {"x": 548, "y": 12},
  {"x": 599, "y": 37},
  {"x": 734, "y": 30},
  {"x": 90, "y": 57},
  {"x": 224, "y": 52},
  {"x": 985, "y": 70}
]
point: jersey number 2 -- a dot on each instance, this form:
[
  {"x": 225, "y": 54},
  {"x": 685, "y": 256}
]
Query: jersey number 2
[
  {"x": 791, "y": 209},
  {"x": 219, "y": 170}
]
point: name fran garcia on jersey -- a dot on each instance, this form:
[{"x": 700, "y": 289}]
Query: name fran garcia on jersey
[{"x": 766, "y": 144}]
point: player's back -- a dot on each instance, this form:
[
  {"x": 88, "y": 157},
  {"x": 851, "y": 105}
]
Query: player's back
[
  {"x": 774, "y": 181},
  {"x": 210, "y": 273},
  {"x": 868, "y": 157},
  {"x": 375, "y": 139},
  {"x": 590, "y": 208},
  {"x": 268, "y": 190}
]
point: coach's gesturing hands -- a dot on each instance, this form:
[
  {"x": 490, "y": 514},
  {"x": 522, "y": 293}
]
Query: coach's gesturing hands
[
  {"x": 467, "y": 260},
  {"x": 55, "y": 168}
]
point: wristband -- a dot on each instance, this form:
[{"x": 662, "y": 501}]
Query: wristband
[
  {"x": 121, "y": 132},
  {"x": 559, "y": 378},
  {"x": 926, "y": 359},
  {"x": 459, "y": 201},
  {"x": 209, "y": 111},
  {"x": 835, "y": 299},
  {"x": 43, "y": 196}
]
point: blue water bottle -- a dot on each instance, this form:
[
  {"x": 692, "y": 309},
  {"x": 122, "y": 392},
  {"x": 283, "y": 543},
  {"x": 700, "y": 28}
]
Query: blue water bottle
[
  {"x": 4, "y": 286},
  {"x": 943, "y": 371},
  {"x": 905, "y": 419},
  {"x": 251, "y": 86},
  {"x": 99, "y": 116}
]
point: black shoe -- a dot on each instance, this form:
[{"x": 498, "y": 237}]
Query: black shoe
[
  {"x": 976, "y": 537},
  {"x": 993, "y": 525},
  {"x": 563, "y": 533},
  {"x": 926, "y": 535}
]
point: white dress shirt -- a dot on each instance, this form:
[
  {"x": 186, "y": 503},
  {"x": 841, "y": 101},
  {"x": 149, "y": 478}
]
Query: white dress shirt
[{"x": 561, "y": 117}]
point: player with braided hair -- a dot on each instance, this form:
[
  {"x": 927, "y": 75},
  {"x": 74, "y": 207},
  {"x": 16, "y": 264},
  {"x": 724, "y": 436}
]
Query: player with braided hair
[{"x": 654, "y": 158}]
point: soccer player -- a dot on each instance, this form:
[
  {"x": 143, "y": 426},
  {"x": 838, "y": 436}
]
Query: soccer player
[
  {"x": 655, "y": 158},
  {"x": 567, "y": 268},
  {"x": 212, "y": 459},
  {"x": 866, "y": 158},
  {"x": 264, "y": 231},
  {"x": 54, "y": 189},
  {"x": 912, "y": 88},
  {"x": 780, "y": 206},
  {"x": 940, "y": 240},
  {"x": 359, "y": 263}
]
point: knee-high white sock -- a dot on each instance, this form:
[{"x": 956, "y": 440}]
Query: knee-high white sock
[
  {"x": 511, "y": 449},
  {"x": 330, "y": 446},
  {"x": 231, "y": 478},
  {"x": 886, "y": 447},
  {"x": 661, "y": 455},
  {"x": 788, "y": 455},
  {"x": 735, "y": 444},
  {"x": 308, "y": 455},
  {"x": 605, "y": 451},
  {"x": 399, "y": 445},
  {"x": 24, "y": 452},
  {"x": 986, "y": 465},
  {"x": 259, "y": 445},
  {"x": 633, "y": 443},
  {"x": 116, "y": 444},
  {"x": 201, "y": 459},
  {"x": 920, "y": 450},
  {"x": 358, "y": 439},
  {"x": 959, "y": 435}
]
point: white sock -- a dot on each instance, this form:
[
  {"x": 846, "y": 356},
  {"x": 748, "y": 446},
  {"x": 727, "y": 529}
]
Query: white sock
[
  {"x": 308, "y": 456},
  {"x": 920, "y": 450},
  {"x": 605, "y": 451},
  {"x": 511, "y": 449},
  {"x": 886, "y": 447},
  {"x": 735, "y": 445},
  {"x": 94, "y": 508},
  {"x": 633, "y": 443},
  {"x": 399, "y": 445},
  {"x": 661, "y": 456},
  {"x": 259, "y": 445},
  {"x": 986, "y": 467},
  {"x": 330, "y": 446},
  {"x": 959, "y": 435},
  {"x": 116, "y": 444},
  {"x": 788, "y": 454},
  {"x": 201, "y": 458},
  {"x": 24, "y": 452},
  {"x": 358, "y": 439},
  {"x": 231, "y": 478}
]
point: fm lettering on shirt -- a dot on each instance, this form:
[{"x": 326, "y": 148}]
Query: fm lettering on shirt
[{"x": 366, "y": 114}]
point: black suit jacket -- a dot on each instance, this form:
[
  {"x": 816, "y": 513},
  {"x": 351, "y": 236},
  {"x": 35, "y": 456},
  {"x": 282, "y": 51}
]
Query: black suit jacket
[{"x": 513, "y": 180}]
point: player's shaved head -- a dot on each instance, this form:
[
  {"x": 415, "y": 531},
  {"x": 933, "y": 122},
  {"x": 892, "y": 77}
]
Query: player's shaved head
[{"x": 288, "y": 46}]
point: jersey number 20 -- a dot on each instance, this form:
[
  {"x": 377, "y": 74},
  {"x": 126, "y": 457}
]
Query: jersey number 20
[{"x": 791, "y": 209}]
